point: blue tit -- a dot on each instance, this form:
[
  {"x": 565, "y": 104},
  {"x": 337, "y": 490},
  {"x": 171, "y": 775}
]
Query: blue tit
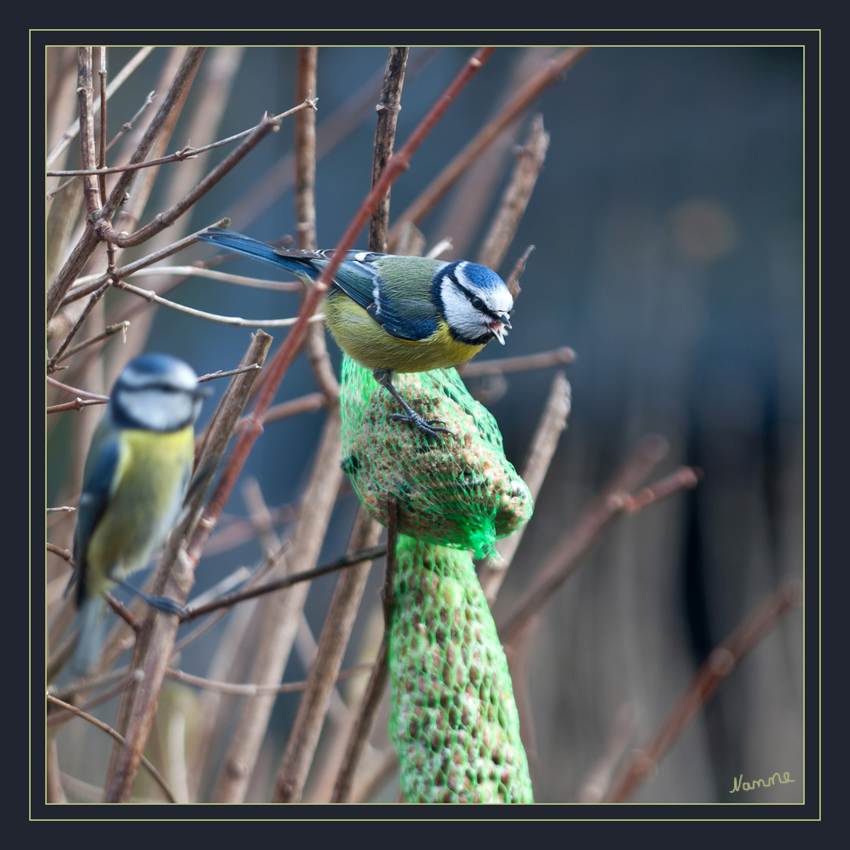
[
  {"x": 397, "y": 314},
  {"x": 136, "y": 476}
]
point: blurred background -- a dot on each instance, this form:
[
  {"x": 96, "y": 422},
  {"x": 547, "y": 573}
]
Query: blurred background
[{"x": 668, "y": 232}]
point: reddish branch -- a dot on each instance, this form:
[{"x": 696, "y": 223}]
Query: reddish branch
[{"x": 713, "y": 671}]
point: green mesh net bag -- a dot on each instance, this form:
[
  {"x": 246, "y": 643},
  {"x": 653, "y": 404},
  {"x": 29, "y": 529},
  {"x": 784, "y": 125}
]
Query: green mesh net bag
[
  {"x": 457, "y": 490},
  {"x": 453, "y": 718},
  {"x": 453, "y": 721}
]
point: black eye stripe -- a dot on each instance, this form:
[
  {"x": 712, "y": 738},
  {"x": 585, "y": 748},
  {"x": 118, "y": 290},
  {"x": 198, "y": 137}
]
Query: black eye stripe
[{"x": 475, "y": 300}]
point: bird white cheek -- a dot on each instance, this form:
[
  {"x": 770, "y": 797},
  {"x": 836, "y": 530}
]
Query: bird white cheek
[{"x": 460, "y": 315}]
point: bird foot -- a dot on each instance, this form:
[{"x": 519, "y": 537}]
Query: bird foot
[{"x": 429, "y": 427}]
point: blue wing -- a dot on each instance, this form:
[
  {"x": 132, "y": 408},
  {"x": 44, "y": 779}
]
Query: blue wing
[
  {"x": 100, "y": 471},
  {"x": 381, "y": 288}
]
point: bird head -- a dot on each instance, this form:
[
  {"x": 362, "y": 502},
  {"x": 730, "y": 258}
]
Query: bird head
[
  {"x": 156, "y": 392},
  {"x": 474, "y": 301}
]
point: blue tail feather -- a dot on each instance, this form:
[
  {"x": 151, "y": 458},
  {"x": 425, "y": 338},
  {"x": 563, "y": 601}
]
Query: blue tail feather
[
  {"x": 92, "y": 634},
  {"x": 258, "y": 250}
]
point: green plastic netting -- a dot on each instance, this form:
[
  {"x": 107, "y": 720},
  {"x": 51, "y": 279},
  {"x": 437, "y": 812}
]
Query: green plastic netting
[
  {"x": 457, "y": 490},
  {"x": 454, "y": 721},
  {"x": 453, "y": 717}
]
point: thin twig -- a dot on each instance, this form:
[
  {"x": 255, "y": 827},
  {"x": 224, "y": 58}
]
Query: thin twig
[
  {"x": 100, "y": 699},
  {"x": 595, "y": 520},
  {"x": 56, "y": 550},
  {"x": 111, "y": 732},
  {"x": 77, "y": 404},
  {"x": 521, "y": 101},
  {"x": 480, "y": 368},
  {"x": 598, "y": 780},
  {"x": 236, "y": 321},
  {"x": 231, "y": 599},
  {"x": 225, "y": 277},
  {"x": 166, "y": 218},
  {"x": 388, "y": 109},
  {"x": 371, "y": 701},
  {"x": 333, "y": 641},
  {"x": 552, "y": 422},
  {"x": 92, "y": 235},
  {"x": 714, "y": 670},
  {"x": 122, "y": 75},
  {"x": 213, "y": 376},
  {"x": 254, "y": 690},
  {"x": 90, "y": 283},
  {"x": 305, "y": 212},
  {"x": 282, "y": 615},
  {"x": 76, "y": 391},
  {"x": 516, "y": 196},
  {"x": 108, "y": 331}
]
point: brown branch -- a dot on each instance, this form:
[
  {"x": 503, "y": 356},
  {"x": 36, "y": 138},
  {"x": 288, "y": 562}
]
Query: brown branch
[
  {"x": 333, "y": 641},
  {"x": 367, "y": 554},
  {"x": 371, "y": 701},
  {"x": 714, "y": 670},
  {"x": 92, "y": 234},
  {"x": 305, "y": 212},
  {"x": 521, "y": 101},
  {"x": 388, "y": 109},
  {"x": 598, "y": 779},
  {"x": 85, "y": 98},
  {"x": 112, "y": 733},
  {"x": 60, "y": 351},
  {"x": 77, "y": 404},
  {"x": 80, "y": 291},
  {"x": 296, "y": 406},
  {"x": 253, "y": 690},
  {"x": 282, "y": 615},
  {"x": 76, "y": 391},
  {"x": 56, "y": 550},
  {"x": 122, "y": 75},
  {"x": 592, "y": 524},
  {"x": 543, "y": 445},
  {"x": 166, "y": 218},
  {"x": 480, "y": 368},
  {"x": 516, "y": 196}
]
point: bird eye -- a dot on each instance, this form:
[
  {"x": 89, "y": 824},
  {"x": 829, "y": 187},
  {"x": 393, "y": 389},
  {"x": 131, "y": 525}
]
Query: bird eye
[{"x": 477, "y": 303}]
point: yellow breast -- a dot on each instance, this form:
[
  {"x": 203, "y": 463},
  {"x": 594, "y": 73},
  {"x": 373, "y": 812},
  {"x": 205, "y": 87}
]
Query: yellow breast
[
  {"x": 365, "y": 341},
  {"x": 150, "y": 483}
]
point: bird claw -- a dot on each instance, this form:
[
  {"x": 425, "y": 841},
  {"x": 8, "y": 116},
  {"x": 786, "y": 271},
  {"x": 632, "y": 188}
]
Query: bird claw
[{"x": 429, "y": 427}]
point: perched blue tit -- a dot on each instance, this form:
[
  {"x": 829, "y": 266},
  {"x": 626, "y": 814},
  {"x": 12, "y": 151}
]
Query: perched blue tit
[
  {"x": 397, "y": 314},
  {"x": 136, "y": 476}
]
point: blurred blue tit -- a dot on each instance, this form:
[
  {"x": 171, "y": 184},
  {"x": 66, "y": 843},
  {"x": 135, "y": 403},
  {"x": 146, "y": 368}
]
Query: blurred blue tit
[
  {"x": 136, "y": 476},
  {"x": 397, "y": 314}
]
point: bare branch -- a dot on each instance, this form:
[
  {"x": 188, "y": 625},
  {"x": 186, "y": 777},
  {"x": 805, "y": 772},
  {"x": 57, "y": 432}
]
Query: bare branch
[
  {"x": 714, "y": 670},
  {"x": 157, "y": 777}
]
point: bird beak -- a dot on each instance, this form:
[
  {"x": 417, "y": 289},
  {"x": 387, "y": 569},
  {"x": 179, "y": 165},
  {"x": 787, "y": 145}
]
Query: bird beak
[{"x": 500, "y": 329}]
